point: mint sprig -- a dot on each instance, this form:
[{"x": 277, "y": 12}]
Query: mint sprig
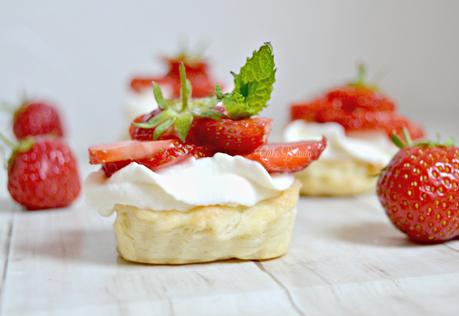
[
  {"x": 252, "y": 90},
  {"x": 252, "y": 86}
]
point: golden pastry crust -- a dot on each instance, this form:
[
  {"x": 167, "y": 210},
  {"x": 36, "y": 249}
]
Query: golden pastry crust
[
  {"x": 338, "y": 177},
  {"x": 207, "y": 233}
]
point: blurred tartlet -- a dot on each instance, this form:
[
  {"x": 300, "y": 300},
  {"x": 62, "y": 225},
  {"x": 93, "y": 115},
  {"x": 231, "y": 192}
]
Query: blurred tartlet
[{"x": 358, "y": 121}]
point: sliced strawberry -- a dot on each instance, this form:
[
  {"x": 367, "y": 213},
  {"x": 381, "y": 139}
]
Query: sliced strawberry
[
  {"x": 153, "y": 154},
  {"x": 288, "y": 157},
  {"x": 232, "y": 137},
  {"x": 127, "y": 150},
  {"x": 156, "y": 161}
]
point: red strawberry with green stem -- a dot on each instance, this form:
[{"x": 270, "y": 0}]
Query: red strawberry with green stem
[
  {"x": 419, "y": 190},
  {"x": 42, "y": 173}
]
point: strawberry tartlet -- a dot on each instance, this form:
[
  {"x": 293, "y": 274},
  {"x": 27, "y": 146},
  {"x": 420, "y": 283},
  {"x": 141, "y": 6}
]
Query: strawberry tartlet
[
  {"x": 358, "y": 121},
  {"x": 198, "y": 182}
]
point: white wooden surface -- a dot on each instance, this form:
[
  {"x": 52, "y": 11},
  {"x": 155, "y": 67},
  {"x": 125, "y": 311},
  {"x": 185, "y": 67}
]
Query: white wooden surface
[{"x": 345, "y": 259}]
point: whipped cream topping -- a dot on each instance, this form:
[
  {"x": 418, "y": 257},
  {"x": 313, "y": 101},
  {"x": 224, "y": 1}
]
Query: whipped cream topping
[
  {"x": 368, "y": 146},
  {"x": 217, "y": 180}
]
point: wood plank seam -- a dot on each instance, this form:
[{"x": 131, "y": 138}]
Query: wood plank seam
[
  {"x": 170, "y": 302},
  {"x": 5, "y": 264},
  {"x": 289, "y": 295},
  {"x": 451, "y": 248}
]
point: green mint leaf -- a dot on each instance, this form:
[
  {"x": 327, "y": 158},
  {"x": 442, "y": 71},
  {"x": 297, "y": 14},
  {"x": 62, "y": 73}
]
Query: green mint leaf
[
  {"x": 158, "y": 94},
  {"x": 253, "y": 85},
  {"x": 236, "y": 105},
  {"x": 161, "y": 128},
  {"x": 183, "y": 125}
]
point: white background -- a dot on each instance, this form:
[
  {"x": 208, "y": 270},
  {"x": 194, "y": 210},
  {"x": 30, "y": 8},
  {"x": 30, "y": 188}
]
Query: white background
[{"x": 81, "y": 53}]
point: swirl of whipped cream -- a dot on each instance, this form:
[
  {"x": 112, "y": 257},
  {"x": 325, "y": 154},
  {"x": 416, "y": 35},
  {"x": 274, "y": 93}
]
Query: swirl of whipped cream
[
  {"x": 368, "y": 146},
  {"x": 218, "y": 180}
]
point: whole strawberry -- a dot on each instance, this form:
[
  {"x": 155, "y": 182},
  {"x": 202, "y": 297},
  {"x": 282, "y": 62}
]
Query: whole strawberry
[
  {"x": 43, "y": 173},
  {"x": 37, "y": 118},
  {"x": 419, "y": 190}
]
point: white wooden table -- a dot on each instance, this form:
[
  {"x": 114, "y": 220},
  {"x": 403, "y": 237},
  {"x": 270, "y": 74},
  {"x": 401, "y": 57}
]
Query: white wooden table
[{"x": 345, "y": 259}]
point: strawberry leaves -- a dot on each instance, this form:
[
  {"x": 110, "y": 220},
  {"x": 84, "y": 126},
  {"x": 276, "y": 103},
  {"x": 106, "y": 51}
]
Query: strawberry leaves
[
  {"x": 408, "y": 142},
  {"x": 179, "y": 114},
  {"x": 252, "y": 86}
]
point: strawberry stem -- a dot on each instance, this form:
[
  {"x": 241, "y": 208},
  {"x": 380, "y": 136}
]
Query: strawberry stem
[
  {"x": 361, "y": 74},
  {"x": 407, "y": 137},
  {"x": 8, "y": 142},
  {"x": 183, "y": 86},
  {"x": 397, "y": 141}
]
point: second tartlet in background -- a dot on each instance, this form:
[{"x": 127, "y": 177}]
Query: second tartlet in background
[{"x": 358, "y": 120}]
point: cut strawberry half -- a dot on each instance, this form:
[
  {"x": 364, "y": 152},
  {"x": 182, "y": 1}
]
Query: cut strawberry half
[
  {"x": 234, "y": 137},
  {"x": 238, "y": 137},
  {"x": 158, "y": 160},
  {"x": 288, "y": 157}
]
